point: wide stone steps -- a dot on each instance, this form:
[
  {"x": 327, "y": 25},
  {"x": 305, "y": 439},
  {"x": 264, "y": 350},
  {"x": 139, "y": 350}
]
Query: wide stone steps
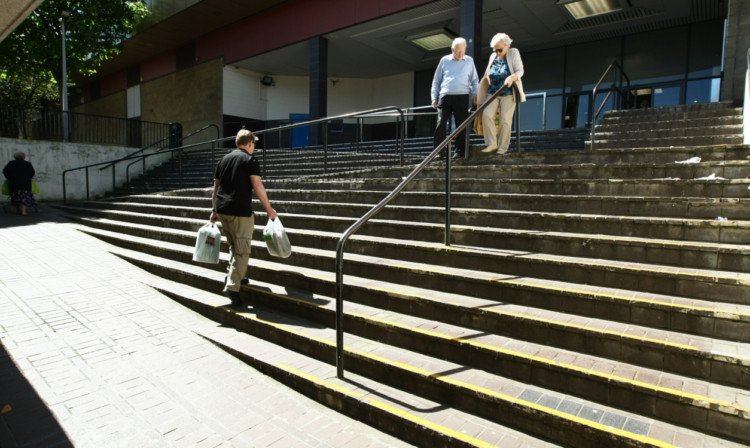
[
  {"x": 593, "y": 288},
  {"x": 730, "y": 169},
  {"x": 727, "y": 124},
  {"x": 521, "y": 279},
  {"x": 489, "y": 353},
  {"x": 738, "y": 188},
  {"x": 709, "y": 250},
  {"x": 613, "y": 140}
]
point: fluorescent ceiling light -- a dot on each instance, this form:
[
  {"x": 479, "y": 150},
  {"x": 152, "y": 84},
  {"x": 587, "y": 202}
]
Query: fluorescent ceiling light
[
  {"x": 433, "y": 41},
  {"x": 581, "y": 9}
]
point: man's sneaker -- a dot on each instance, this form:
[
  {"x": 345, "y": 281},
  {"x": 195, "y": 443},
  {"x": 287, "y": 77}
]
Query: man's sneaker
[
  {"x": 234, "y": 296},
  {"x": 245, "y": 281}
]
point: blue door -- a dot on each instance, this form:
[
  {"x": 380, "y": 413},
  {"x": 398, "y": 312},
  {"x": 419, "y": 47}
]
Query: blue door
[{"x": 300, "y": 135}]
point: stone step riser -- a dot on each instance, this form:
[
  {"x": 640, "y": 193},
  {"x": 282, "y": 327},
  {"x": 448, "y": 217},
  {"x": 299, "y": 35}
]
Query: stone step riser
[
  {"x": 626, "y": 205},
  {"x": 727, "y": 125},
  {"x": 579, "y": 303},
  {"x": 676, "y": 189},
  {"x": 615, "y": 142},
  {"x": 582, "y": 385},
  {"x": 607, "y": 248},
  {"x": 616, "y": 206},
  {"x": 662, "y": 114},
  {"x": 594, "y": 343},
  {"x": 728, "y": 170},
  {"x": 607, "y": 132},
  {"x": 513, "y": 415}
]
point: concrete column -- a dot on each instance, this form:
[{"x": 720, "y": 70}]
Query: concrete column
[
  {"x": 471, "y": 29},
  {"x": 318, "y": 84},
  {"x": 735, "y": 50}
]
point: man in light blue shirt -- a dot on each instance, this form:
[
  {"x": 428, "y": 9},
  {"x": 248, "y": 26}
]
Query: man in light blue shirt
[{"x": 455, "y": 79}]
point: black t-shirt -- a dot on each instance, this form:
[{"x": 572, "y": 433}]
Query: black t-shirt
[{"x": 235, "y": 193}]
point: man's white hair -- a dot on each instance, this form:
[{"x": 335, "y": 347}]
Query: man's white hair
[{"x": 458, "y": 41}]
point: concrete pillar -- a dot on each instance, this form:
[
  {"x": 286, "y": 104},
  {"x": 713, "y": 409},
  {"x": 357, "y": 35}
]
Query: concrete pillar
[
  {"x": 318, "y": 84},
  {"x": 735, "y": 50},
  {"x": 471, "y": 29}
]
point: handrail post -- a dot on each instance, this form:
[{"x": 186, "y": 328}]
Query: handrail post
[
  {"x": 746, "y": 104},
  {"x": 517, "y": 97},
  {"x": 179, "y": 162},
  {"x": 325, "y": 147},
  {"x": 114, "y": 174},
  {"x": 403, "y": 137},
  {"x": 448, "y": 194},
  {"x": 88, "y": 197},
  {"x": 65, "y": 196},
  {"x": 340, "y": 309}
]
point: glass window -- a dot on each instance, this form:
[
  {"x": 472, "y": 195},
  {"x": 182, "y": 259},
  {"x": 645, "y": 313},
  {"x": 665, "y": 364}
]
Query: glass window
[
  {"x": 532, "y": 113},
  {"x": 666, "y": 96},
  {"x": 554, "y": 112},
  {"x": 543, "y": 70},
  {"x": 587, "y": 63},
  {"x": 656, "y": 56},
  {"x": 705, "y": 49},
  {"x": 703, "y": 91}
]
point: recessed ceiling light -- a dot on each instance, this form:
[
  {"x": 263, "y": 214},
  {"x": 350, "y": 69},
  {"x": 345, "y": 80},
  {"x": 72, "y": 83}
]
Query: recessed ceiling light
[
  {"x": 432, "y": 41},
  {"x": 581, "y": 9}
]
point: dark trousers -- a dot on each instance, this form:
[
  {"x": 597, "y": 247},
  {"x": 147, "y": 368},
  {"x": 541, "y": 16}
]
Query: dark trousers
[{"x": 458, "y": 105}]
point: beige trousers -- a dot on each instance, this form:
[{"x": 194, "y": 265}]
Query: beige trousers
[
  {"x": 507, "y": 106},
  {"x": 239, "y": 233}
]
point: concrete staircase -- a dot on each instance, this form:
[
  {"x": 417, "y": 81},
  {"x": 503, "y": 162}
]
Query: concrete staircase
[
  {"x": 197, "y": 164},
  {"x": 590, "y": 298}
]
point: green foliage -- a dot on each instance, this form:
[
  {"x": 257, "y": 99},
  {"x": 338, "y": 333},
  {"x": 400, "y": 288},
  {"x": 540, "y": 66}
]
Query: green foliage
[{"x": 31, "y": 57}]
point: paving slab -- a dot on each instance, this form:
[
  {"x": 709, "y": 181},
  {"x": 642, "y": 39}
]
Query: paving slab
[{"x": 90, "y": 356}]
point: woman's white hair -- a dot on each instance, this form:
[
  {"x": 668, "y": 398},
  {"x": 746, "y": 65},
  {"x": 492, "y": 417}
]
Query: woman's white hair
[
  {"x": 458, "y": 41},
  {"x": 500, "y": 37}
]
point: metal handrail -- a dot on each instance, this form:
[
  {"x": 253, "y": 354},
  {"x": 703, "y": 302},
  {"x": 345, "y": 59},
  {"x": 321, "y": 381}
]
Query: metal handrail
[
  {"x": 445, "y": 144},
  {"x": 594, "y": 111},
  {"x": 143, "y": 158},
  {"x": 326, "y": 120}
]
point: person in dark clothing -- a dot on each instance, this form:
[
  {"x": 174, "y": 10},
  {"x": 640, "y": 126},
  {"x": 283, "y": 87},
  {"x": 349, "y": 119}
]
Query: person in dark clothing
[
  {"x": 237, "y": 176},
  {"x": 19, "y": 173}
]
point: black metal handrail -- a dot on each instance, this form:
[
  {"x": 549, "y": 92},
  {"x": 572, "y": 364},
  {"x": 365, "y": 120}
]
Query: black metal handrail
[
  {"x": 327, "y": 120},
  {"x": 137, "y": 156},
  {"x": 444, "y": 145},
  {"x": 182, "y": 139},
  {"x": 615, "y": 68}
]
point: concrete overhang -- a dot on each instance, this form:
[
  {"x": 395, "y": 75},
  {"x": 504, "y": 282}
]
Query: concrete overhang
[{"x": 13, "y": 13}]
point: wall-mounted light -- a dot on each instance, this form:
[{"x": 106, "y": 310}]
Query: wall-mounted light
[
  {"x": 581, "y": 9},
  {"x": 267, "y": 81}
]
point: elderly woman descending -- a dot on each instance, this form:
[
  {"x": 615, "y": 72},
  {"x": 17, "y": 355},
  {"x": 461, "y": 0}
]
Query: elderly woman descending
[
  {"x": 504, "y": 69},
  {"x": 19, "y": 173}
]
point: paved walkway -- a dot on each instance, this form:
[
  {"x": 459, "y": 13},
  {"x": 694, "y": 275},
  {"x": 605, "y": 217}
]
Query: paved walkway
[{"x": 92, "y": 357}]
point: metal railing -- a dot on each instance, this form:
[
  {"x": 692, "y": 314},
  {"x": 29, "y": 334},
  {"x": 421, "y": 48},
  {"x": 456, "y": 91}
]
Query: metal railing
[
  {"x": 614, "y": 68},
  {"x": 746, "y": 104},
  {"x": 445, "y": 145},
  {"x": 326, "y": 121},
  {"x": 47, "y": 124},
  {"x": 143, "y": 157},
  {"x": 136, "y": 156}
]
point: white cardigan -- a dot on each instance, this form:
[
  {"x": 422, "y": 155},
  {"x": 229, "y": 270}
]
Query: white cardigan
[{"x": 515, "y": 65}]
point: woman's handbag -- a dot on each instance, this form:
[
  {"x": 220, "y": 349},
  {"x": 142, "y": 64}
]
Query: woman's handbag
[
  {"x": 34, "y": 188},
  {"x": 6, "y": 188},
  {"x": 276, "y": 240},
  {"x": 207, "y": 244}
]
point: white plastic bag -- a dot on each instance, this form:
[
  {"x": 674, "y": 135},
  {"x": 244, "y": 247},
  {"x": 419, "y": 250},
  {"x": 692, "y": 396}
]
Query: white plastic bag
[
  {"x": 207, "y": 244},
  {"x": 276, "y": 240}
]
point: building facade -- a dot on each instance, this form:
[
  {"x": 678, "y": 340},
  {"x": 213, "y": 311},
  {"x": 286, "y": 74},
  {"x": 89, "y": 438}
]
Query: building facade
[{"x": 261, "y": 63}]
